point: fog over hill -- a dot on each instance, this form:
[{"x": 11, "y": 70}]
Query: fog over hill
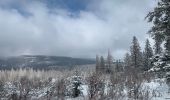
[{"x": 43, "y": 62}]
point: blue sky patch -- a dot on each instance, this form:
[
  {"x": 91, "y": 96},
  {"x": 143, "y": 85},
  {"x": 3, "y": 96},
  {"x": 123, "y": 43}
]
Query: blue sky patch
[{"x": 70, "y": 5}]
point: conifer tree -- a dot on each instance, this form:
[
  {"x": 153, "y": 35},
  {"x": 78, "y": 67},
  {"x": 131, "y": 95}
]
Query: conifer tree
[
  {"x": 136, "y": 54},
  {"x": 127, "y": 60},
  {"x": 148, "y": 53},
  {"x": 160, "y": 17}
]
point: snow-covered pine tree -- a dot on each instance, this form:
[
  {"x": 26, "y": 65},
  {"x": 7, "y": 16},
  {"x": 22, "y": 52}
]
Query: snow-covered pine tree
[
  {"x": 148, "y": 53},
  {"x": 136, "y": 54},
  {"x": 160, "y": 17},
  {"x": 73, "y": 87},
  {"x": 127, "y": 61}
]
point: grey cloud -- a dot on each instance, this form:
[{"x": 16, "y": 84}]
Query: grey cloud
[{"x": 105, "y": 24}]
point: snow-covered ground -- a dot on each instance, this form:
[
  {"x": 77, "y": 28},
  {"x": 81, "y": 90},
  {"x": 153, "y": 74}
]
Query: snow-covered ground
[{"x": 159, "y": 88}]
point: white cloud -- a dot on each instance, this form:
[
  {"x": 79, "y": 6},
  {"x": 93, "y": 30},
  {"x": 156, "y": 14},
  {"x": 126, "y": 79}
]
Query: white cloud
[{"x": 104, "y": 24}]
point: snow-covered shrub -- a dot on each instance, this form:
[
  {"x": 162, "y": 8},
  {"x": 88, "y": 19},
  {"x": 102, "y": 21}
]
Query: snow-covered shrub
[
  {"x": 25, "y": 86},
  {"x": 60, "y": 89},
  {"x": 116, "y": 86},
  {"x": 96, "y": 87},
  {"x": 73, "y": 88},
  {"x": 133, "y": 83}
]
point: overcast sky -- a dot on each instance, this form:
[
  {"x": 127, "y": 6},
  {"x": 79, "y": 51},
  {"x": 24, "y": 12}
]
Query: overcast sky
[{"x": 76, "y": 28}]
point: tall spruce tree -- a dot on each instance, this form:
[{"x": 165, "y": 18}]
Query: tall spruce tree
[
  {"x": 136, "y": 54},
  {"x": 160, "y": 17},
  {"x": 148, "y": 53},
  {"x": 127, "y": 61}
]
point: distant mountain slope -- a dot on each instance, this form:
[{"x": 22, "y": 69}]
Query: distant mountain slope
[{"x": 42, "y": 62}]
